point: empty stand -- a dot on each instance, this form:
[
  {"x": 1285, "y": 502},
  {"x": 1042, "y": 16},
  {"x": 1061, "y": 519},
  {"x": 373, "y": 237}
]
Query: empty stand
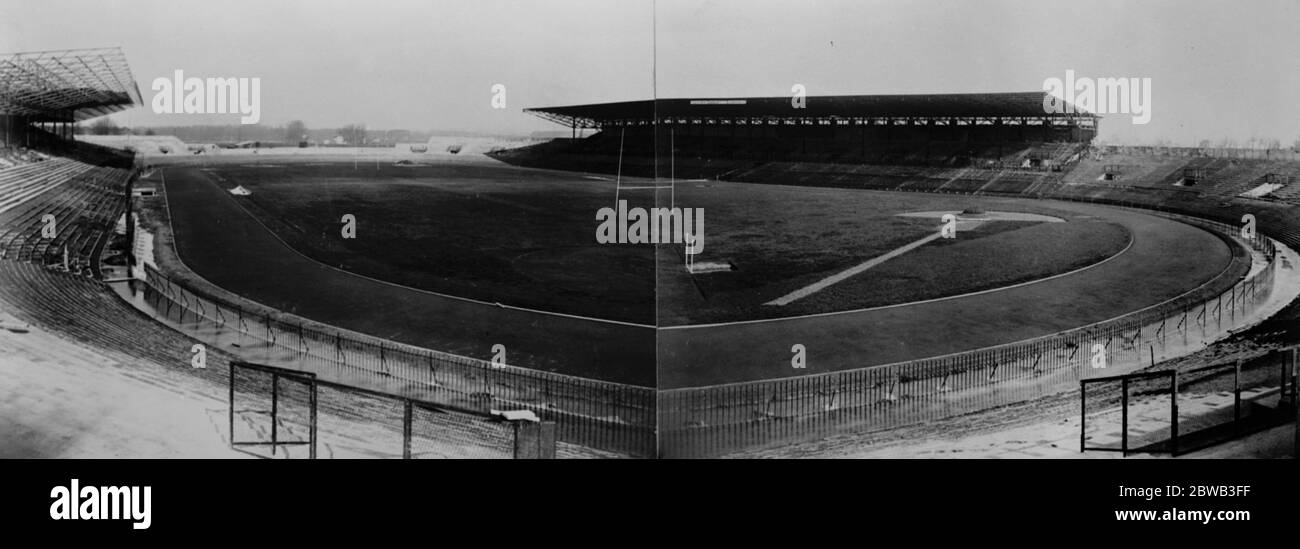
[
  {"x": 22, "y": 183},
  {"x": 83, "y": 310},
  {"x": 84, "y": 200}
]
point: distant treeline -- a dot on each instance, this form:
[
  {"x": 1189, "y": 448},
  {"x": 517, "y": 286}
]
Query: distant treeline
[{"x": 287, "y": 134}]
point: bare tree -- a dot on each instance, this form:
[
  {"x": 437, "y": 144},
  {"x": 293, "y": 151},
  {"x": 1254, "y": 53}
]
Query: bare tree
[
  {"x": 104, "y": 126},
  {"x": 354, "y": 134},
  {"x": 295, "y": 132}
]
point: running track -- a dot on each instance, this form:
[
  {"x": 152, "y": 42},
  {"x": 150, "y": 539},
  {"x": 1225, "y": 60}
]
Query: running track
[{"x": 218, "y": 240}]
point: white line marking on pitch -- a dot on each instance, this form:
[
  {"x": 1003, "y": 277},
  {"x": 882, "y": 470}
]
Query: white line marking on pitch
[
  {"x": 964, "y": 224},
  {"x": 840, "y": 277}
]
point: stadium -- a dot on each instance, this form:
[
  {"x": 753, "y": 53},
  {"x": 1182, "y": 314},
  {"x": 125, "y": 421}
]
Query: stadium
[{"x": 470, "y": 313}]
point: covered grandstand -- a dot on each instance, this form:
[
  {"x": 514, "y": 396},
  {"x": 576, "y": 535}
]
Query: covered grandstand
[
  {"x": 981, "y": 110},
  {"x": 711, "y": 137},
  {"x": 987, "y": 144},
  {"x": 44, "y": 94}
]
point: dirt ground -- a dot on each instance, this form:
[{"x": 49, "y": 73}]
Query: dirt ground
[{"x": 60, "y": 400}]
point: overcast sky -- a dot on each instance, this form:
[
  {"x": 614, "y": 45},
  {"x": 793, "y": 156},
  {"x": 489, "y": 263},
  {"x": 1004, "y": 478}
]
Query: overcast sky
[{"x": 1218, "y": 68}]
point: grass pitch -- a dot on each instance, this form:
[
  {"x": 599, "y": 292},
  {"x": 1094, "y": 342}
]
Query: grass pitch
[
  {"x": 782, "y": 238},
  {"x": 525, "y": 238},
  {"x": 481, "y": 231}
]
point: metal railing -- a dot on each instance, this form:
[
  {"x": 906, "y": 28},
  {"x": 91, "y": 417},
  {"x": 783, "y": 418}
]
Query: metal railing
[
  {"x": 716, "y": 420},
  {"x": 596, "y": 414}
]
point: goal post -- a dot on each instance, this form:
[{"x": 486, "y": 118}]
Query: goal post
[
  {"x": 285, "y": 398},
  {"x": 1177, "y": 411},
  {"x": 277, "y": 412},
  {"x": 1115, "y": 408}
]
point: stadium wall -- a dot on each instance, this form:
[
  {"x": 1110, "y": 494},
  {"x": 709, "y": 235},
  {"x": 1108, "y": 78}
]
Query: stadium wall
[{"x": 717, "y": 420}]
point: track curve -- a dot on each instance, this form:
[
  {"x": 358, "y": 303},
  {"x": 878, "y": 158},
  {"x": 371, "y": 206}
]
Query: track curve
[{"x": 1166, "y": 259}]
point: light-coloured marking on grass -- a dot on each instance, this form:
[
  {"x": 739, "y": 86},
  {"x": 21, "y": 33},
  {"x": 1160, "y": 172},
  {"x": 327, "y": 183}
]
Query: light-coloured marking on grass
[
  {"x": 1131, "y": 241},
  {"x": 987, "y": 216},
  {"x": 965, "y": 224},
  {"x": 843, "y": 275}
]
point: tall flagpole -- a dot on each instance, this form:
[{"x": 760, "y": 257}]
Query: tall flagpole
[{"x": 618, "y": 179}]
